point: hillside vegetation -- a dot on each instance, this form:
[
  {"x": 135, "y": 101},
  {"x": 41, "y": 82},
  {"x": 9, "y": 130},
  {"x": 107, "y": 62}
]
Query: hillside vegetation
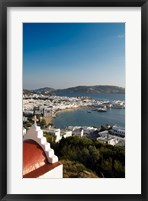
[{"x": 102, "y": 160}]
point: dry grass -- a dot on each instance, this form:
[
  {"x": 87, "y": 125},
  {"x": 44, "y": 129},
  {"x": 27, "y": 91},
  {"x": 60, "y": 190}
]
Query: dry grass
[
  {"x": 74, "y": 169},
  {"x": 48, "y": 120}
]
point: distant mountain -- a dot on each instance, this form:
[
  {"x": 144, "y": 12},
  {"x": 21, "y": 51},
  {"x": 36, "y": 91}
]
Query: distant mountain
[
  {"x": 27, "y": 92},
  {"x": 98, "y": 89},
  {"x": 43, "y": 91}
]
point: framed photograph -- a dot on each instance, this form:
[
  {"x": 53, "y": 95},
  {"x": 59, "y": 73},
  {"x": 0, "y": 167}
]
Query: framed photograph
[{"x": 73, "y": 100}]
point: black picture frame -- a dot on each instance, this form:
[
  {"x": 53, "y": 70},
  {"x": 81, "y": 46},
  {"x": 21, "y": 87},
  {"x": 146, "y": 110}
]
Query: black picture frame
[{"x": 4, "y": 181}]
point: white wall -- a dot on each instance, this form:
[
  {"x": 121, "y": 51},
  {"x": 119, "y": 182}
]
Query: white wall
[{"x": 57, "y": 172}]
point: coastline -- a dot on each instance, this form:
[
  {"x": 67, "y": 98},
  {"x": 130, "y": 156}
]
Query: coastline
[
  {"x": 49, "y": 120},
  {"x": 69, "y": 110},
  {"x": 95, "y": 118},
  {"x": 60, "y": 111},
  {"x": 66, "y": 110}
]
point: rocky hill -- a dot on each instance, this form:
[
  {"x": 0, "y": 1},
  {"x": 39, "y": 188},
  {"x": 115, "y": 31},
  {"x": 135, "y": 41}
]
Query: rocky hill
[
  {"x": 44, "y": 91},
  {"x": 98, "y": 89}
]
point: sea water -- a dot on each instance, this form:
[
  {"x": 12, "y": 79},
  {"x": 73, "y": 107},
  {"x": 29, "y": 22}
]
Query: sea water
[
  {"x": 87, "y": 117},
  {"x": 83, "y": 118}
]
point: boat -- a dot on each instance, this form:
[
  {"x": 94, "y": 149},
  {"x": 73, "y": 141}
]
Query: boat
[
  {"x": 88, "y": 111},
  {"x": 102, "y": 110}
]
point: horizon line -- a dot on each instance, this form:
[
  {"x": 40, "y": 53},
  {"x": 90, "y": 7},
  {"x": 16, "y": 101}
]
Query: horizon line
[{"x": 73, "y": 87}]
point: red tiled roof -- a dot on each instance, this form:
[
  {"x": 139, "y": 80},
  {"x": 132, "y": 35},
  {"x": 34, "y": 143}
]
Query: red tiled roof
[{"x": 35, "y": 162}]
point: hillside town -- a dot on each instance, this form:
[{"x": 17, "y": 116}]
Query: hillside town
[{"x": 47, "y": 107}]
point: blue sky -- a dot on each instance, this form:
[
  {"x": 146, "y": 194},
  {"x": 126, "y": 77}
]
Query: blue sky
[{"x": 63, "y": 55}]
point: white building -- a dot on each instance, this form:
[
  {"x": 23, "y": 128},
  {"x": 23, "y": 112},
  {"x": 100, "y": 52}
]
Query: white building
[
  {"x": 117, "y": 130},
  {"x": 67, "y": 134},
  {"x": 56, "y": 132},
  {"x": 108, "y": 139},
  {"x": 112, "y": 141},
  {"x": 24, "y": 131},
  {"x": 103, "y": 133},
  {"x": 89, "y": 130},
  {"x": 78, "y": 132},
  {"x": 58, "y": 135}
]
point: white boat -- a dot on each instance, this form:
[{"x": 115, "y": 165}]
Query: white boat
[{"x": 102, "y": 109}]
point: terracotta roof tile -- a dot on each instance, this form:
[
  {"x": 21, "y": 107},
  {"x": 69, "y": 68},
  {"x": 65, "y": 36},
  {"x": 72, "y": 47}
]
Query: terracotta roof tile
[{"x": 35, "y": 162}]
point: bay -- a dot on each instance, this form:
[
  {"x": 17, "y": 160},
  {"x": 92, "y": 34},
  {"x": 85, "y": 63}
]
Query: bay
[
  {"x": 87, "y": 117},
  {"x": 81, "y": 117}
]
